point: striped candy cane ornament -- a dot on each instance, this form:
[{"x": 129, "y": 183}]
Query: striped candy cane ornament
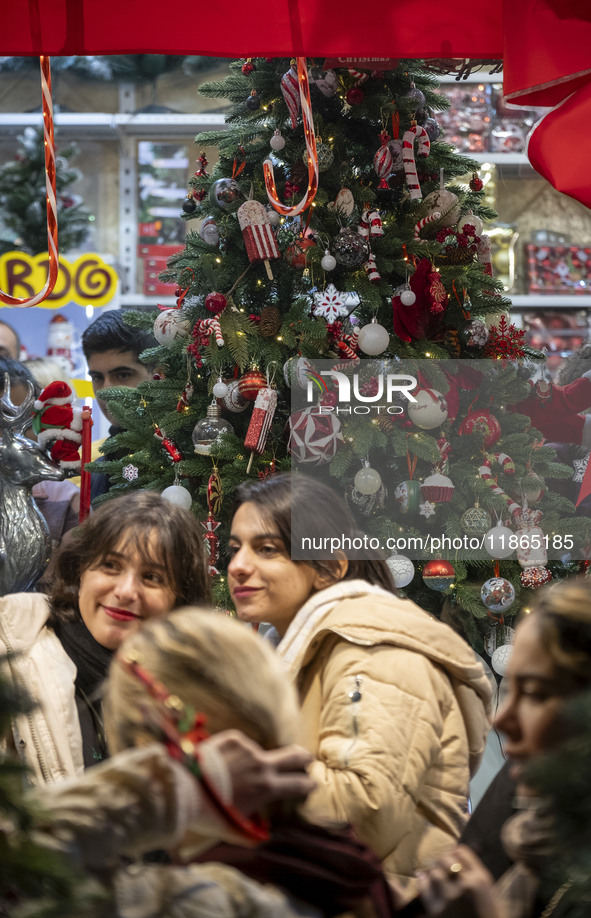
[
  {"x": 310, "y": 137},
  {"x": 291, "y": 93},
  {"x": 373, "y": 275},
  {"x": 416, "y": 132},
  {"x": 430, "y": 218},
  {"x": 212, "y": 327},
  {"x": 508, "y": 467}
]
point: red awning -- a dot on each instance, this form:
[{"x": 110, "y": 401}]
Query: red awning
[{"x": 280, "y": 28}]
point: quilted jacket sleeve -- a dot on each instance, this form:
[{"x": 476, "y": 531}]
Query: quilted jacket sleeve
[{"x": 375, "y": 754}]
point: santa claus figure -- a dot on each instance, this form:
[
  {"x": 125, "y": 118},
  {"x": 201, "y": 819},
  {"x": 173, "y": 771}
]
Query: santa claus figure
[{"x": 58, "y": 424}]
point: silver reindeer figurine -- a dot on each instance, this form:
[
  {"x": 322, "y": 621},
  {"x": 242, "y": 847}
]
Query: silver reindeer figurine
[{"x": 25, "y": 544}]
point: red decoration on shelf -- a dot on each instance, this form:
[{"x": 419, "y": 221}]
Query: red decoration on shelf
[{"x": 505, "y": 341}]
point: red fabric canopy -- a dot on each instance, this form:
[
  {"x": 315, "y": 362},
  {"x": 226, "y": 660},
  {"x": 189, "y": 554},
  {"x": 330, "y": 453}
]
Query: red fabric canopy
[{"x": 281, "y": 28}]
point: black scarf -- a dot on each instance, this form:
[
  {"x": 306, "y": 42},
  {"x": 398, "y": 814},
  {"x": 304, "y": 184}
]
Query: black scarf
[{"x": 92, "y": 662}]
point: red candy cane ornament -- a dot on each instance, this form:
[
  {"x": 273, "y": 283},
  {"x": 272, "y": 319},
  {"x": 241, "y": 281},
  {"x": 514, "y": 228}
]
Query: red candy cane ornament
[
  {"x": 508, "y": 467},
  {"x": 50, "y": 196},
  {"x": 310, "y": 137},
  {"x": 430, "y": 218},
  {"x": 416, "y": 132}
]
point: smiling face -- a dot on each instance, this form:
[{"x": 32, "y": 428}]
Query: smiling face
[
  {"x": 122, "y": 591},
  {"x": 115, "y": 368},
  {"x": 265, "y": 584},
  {"x": 530, "y": 715}
]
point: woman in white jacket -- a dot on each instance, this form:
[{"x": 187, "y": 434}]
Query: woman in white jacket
[
  {"x": 395, "y": 704},
  {"x": 134, "y": 559}
]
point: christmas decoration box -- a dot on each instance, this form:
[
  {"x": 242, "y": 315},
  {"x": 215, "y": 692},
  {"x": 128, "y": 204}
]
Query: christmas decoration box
[{"x": 559, "y": 268}]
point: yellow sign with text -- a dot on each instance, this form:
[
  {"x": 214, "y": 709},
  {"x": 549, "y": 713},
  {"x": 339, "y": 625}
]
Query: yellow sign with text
[{"x": 88, "y": 281}]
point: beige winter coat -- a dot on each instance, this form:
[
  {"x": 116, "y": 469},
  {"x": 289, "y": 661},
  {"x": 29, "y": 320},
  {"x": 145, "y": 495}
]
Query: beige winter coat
[{"x": 396, "y": 710}]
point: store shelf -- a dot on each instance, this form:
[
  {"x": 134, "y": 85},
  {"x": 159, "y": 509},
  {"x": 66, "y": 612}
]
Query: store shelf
[
  {"x": 106, "y": 125},
  {"x": 500, "y": 159},
  {"x": 550, "y": 300}
]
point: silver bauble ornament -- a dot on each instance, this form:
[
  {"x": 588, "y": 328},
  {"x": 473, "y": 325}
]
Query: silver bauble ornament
[
  {"x": 350, "y": 249},
  {"x": 227, "y": 194},
  {"x": 497, "y": 541},
  {"x": 277, "y": 141},
  {"x": 178, "y": 496},
  {"x": 209, "y": 232}
]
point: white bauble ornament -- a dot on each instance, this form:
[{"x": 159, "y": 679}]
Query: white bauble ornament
[
  {"x": 471, "y": 220},
  {"x": 233, "y": 400},
  {"x": 368, "y": 480},
  {"x": 500, "y": 658},
  {"x": 328, "y": 262},
  {"x": 497, "y": 594},
  {"x": 273, "y": 217},
  {"x": 170, "y": 325},
  {"x": 497, "y": 541},
  {"x": 178, "y": 496},
  {"x": 444, "y": 202},
  {"x": 408, "y": 297},
  {"x": 373, "y": 339},
  {"x": 429, "y": 409},
  {"x": 220, "y": 389},
  {"x": 402, "y": 570},
  {"x": 277, "y": 141}
]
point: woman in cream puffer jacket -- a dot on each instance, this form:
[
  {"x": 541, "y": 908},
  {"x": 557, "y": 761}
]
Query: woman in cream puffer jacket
[{"x": 395, "y": 704}]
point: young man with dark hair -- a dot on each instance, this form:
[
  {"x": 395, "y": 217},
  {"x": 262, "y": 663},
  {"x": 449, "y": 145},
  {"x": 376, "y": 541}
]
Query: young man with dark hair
[{"x": 112, "y": 349}]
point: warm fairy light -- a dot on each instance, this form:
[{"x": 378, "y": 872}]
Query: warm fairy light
[
  {"x": 218, "y": 261},
  {"x": 279, "y": 338}
]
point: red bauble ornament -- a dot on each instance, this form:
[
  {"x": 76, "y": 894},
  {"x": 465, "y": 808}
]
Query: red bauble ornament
[
  {"x": 329, "y": 400},
  {"x": 295, "y": 254},
  {"x": 215, "y": 302},
  {"x": 438, "y": 575},
  {"x": 483, "y": 422},
  {"x": 355, "y": 96},
  {"x": 251, "y": 383},
  {"x": 248, "y": 67},
  {"x": 476, "y": 183}
]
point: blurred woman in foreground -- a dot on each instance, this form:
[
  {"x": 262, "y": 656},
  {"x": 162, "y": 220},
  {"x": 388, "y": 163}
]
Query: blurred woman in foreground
[{"x": 550, "y": 665}]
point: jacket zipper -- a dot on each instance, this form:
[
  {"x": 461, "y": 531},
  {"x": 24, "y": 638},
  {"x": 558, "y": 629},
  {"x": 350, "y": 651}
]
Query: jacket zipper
[{"x": 10, "y": 656}]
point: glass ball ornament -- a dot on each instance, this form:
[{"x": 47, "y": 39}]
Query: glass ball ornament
[
  {"x": 189, "y": 205},
  {"x": 500, "y": 658},
  {"x": 226, "y": 194},
  {"x": 414, "y": 97},
  {"x": 178, "y": 496},
  {"x": 438, "y": 575},
  {"x": 325, "y": 156},
  {"x": 328, "y": 262},
  {"x": 533, "y": 487},
  {"x": 209, "y": 429},
  {"x": 277, "y": 141},
  {"x": 429, "y": 410},
  {"x": 475, "y": 521},
  {"x": 497, "y": 541},
  {"x": 273, "y": 217},
  {"x": 402, "y": 570},
  {"x": 220, "y": 389},
  {"x": 367, "y": 480},
  {"x": 170, "y": 325},
  {"x": 350, "y": 249},
  {"x": 373, "y": 339},
  {"x": 408, "y": 297},
  {"x": 473, "y": 334},
  {"x": 497, "y": 594},
  {"x": 433, "y": 129},
  {"x": 253, "y": 102},
  {"x": 209, "y": 232}
]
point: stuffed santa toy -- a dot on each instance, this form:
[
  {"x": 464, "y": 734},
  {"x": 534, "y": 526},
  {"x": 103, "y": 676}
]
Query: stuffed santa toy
[{"x": 58, "y": 424}]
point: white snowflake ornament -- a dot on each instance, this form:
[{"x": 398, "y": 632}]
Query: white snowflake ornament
[
  {"x": 427, "y": 509},
  {"x": 130, "y": 472},
  {"x": 580, "y": 466},
  {"x": 332, "y": 304}
]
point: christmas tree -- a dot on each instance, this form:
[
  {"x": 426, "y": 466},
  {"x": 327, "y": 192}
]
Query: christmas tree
[
  {"x": 372, "y": 255},
  {"x": 22, "y": 198}
]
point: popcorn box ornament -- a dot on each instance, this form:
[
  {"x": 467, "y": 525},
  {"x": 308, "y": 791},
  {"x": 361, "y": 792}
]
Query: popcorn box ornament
[{"x": 257, "y": 232}]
